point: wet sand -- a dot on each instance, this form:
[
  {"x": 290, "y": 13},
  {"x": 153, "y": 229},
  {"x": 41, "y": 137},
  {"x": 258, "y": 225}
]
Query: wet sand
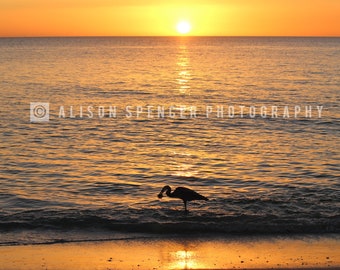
[{"x": 178, "y": 253}]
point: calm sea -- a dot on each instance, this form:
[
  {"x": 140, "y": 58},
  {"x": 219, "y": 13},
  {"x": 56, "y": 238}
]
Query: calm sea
[{"x": 251, "y": 123}]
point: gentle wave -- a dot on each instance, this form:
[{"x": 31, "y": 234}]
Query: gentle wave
[{"x": 170, "y": 222}]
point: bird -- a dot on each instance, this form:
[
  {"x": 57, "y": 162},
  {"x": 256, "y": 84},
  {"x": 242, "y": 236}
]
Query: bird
[{"x": 186, "y": 194}]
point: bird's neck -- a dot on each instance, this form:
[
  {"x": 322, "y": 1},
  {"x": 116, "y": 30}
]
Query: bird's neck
[{"x": 168, "y": 192}]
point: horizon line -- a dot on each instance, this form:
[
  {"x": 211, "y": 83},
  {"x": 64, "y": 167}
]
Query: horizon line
[{"x": 175, "y": 36}]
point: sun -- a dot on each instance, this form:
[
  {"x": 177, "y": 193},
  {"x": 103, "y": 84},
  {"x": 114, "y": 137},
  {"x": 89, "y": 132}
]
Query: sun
[{"x": 183, "y": 27}]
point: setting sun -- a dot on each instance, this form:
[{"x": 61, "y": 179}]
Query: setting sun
[
  {"x": 169, "y": 18},
  {"x": 183, "y": 27}
]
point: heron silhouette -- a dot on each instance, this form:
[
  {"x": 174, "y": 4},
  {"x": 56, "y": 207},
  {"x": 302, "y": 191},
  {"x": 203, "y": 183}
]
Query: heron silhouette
[{"x": 186, "y": 194}]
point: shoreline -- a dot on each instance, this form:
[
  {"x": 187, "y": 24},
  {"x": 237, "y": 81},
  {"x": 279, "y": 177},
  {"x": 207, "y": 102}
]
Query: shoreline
[{"x": 312, "y": 252}]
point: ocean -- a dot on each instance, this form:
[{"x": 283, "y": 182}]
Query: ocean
[{"x": 92, "y": 128}]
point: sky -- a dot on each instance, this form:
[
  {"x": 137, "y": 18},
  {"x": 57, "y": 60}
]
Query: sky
[{"x": 160, "y": 17}]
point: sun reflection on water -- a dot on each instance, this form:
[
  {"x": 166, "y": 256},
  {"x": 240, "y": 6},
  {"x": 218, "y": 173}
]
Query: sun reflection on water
[
  {"x": 183, "y": 259},
  {"x": 184, "y": 74}
]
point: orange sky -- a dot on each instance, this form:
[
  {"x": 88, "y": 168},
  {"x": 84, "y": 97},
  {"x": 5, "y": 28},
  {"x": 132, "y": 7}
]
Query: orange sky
[{"x": 159, "y": 17}]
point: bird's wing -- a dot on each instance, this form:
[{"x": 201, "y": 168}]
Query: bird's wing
[{"x": 187, "y": 194}]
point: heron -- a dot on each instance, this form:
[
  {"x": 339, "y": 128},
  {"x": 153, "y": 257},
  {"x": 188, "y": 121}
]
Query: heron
[{"x": 186, "y": 194}]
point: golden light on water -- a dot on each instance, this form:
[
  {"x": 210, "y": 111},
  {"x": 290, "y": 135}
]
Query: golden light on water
[
  {"x": 183, "y": 259},
  {"x": 174, "y": 254},
  {"x": 184, "y": 74}
]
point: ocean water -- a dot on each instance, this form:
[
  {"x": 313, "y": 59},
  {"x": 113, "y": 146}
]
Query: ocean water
[{"x": 269, "y": 164}]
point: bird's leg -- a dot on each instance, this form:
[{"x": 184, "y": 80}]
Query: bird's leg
[{"x": 185, "y": 207}]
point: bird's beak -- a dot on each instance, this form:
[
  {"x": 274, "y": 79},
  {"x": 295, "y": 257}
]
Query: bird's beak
[{"x": 160, "y": 195}]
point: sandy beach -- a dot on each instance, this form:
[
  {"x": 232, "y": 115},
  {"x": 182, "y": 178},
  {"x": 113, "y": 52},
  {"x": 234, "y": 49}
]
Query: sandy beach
[{"x": 178, "y": 253}]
